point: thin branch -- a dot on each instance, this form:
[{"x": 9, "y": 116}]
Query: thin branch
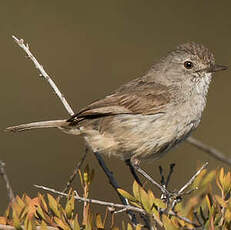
[
  {"x": 186, "y": 220},
  {"x": 7, "y": 182},
  {"x": 144, "y": 174},
  {"x": 192, "y": 179},
  {"x": 44, "y": 74},
  {"x": 73, "y": 175},
  {"x": 93, "y": 201},
  {"x": 209, "y": 150},
  {"x": 181, "y": 191}
]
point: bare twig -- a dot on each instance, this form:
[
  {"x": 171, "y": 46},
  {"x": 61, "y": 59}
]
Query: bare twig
[
  {"x": 186, "y": 220},
  {"x": 144, "y": 174},
  {"x": 93, "y": 201},
  {"x": 209, "y": 150},
  {"x": 182, "y": 190},
  {"x": 7, "y": 182},
  {"x": 192, "y": 179},
  {"x": 73, "y": 175},
  {"x": 44, "y": 74}
]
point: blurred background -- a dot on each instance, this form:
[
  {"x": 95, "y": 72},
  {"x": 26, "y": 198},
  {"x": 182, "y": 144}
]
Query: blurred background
[{"x": 89, "y": 48}]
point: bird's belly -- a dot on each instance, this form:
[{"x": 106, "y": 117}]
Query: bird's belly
[{"x": 141, "y": 136}]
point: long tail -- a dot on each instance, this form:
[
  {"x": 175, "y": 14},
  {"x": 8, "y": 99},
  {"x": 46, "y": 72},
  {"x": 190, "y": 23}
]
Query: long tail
[{"x": 38, "y": 125}]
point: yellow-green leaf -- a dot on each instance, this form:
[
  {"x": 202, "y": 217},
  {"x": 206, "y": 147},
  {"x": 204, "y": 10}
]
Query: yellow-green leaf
[
  {"x": 168, "y": 225},
  {"x": 76, "y": 223},
  {"x": 61, "y": 224},
  {"x": 70, "y": 205},
  {"x": 220, "y": 201},
  {"x": 228, "y": 215},
  {"x": 138, "y": 227},
  {"x": 16, "y": 221},
  {"x": 126, "y": 194},
  {"x": 145, "y": 200},
  {"x": 136, "y": 190},
  {"x": 129, "y": 227},
  {"x": 43, "y": 202},
  {"x": 43, "y": 226},
  {"x": 53, "y": 205},
  {"x": 98, "y": 221}
]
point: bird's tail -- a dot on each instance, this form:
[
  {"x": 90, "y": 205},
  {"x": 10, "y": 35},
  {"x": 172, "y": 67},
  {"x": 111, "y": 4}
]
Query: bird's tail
[{"x": 38, "y": 125}]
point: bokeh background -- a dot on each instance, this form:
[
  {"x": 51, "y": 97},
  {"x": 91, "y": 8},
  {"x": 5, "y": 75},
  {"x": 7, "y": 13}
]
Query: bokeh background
[{"x": 89, "y": 48}]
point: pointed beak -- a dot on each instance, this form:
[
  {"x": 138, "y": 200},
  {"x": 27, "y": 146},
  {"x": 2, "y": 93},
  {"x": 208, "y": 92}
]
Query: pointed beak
[{"x": 216, "y": 68}]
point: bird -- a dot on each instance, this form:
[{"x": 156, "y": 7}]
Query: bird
[{"x": 146, "y": 117}]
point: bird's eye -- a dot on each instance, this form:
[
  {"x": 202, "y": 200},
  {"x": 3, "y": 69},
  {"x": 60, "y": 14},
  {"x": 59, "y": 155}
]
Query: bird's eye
[{"x": 188, "y": 65}]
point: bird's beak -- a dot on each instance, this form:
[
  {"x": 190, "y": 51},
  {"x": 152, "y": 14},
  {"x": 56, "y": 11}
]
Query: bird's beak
[{"x": 215, "y": 68}]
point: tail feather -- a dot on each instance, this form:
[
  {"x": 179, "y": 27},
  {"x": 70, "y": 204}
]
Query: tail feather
[{"x": 38, "y": 125}]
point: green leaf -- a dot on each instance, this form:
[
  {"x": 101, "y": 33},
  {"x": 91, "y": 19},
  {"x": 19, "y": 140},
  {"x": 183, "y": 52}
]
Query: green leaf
[
  {"x": 145, "y": 200},
  {"x": 126, "y": 194},
  {"x": 168, "y": 225},
  {"x": 136, "y": 191},
  {"x": 70, "y": 205},
  {"x": 53, "y": 205}
]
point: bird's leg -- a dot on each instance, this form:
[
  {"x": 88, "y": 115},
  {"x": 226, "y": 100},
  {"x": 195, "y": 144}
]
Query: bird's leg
[
  {"x": 115, "y": 185},
  {"x": 163, "y": 181},
  {"x": 133, "y": 171}
]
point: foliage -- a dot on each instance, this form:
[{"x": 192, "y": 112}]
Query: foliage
[{"x": 204, "y": 209}]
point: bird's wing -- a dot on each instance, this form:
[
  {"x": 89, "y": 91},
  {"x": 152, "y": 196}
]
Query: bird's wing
[{"x": 136, "y": 100}]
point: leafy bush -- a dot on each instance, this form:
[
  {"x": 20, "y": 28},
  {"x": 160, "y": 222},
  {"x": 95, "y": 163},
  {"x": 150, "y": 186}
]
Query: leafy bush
[{"x": 204, "y": 209}]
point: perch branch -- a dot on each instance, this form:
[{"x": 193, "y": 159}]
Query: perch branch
[
  {"x": 7, "y": 182},
  {"x": 215, "y": 153}
]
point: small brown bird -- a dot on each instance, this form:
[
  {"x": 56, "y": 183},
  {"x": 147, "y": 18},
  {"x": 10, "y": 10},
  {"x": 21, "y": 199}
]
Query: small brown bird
[{"x": 149, "y": 115}]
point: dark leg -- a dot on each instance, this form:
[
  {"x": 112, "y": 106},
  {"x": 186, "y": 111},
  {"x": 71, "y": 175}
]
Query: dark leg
[
  {"x": 163, "y": 181},
  {"x": 114, "y": 184},
  {"x": 133, "y": 172}
]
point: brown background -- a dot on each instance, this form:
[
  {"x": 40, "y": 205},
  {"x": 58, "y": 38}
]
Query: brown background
[{"x": 90, "y": 48}]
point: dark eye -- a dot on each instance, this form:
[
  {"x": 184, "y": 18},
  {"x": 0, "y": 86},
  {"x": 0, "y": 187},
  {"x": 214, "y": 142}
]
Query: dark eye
[{"x": 188, "y": 65}]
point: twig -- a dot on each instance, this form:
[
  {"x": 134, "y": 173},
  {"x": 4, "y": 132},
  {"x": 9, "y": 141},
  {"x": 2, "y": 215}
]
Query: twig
[
  {"x": 93, "y": 201},
  {"x": 44, "y": 74},
  {"x": 73, "y": 175},
  {"x": 186, "y": 220},
  {"x": 144, "y": 174},
  {"x": 192, "y": 179},
  {"x": 181, "y": 191},
  {"x": 209, "y": 150},
  {"x": 7, "y": 182}
]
